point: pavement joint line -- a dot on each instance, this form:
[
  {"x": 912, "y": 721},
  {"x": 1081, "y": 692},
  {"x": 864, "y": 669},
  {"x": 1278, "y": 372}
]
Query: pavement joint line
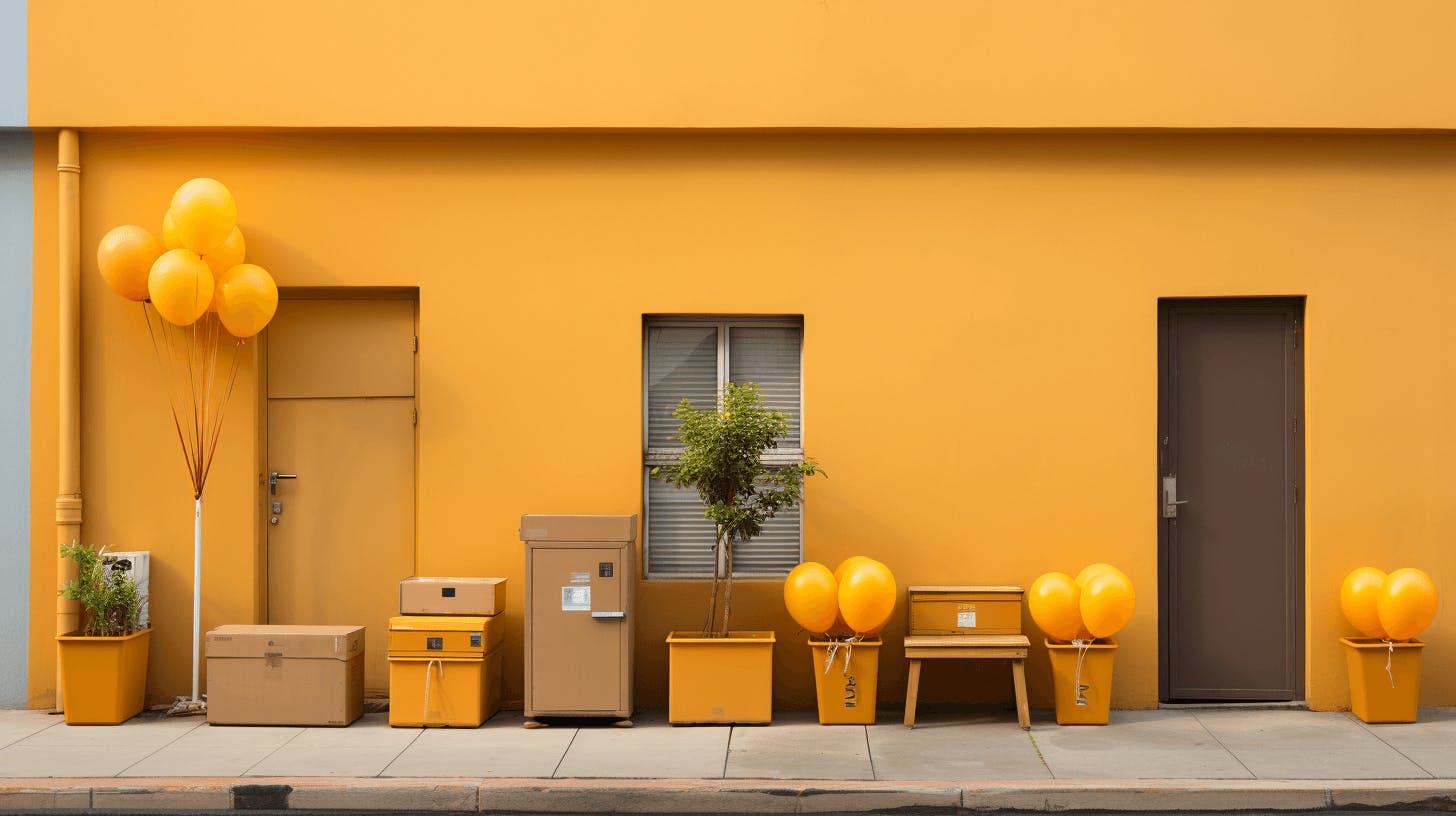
[
  {"x": 1031, "y": 735},
  {"x": 727, "y": 750},
  {"x": 1226, "y": 749},
  {"x": 562, "y": 758},
  {"x": 419, "y": 731},
  {"x": 269, "y": 755},
  {"x": 1376, "y": 734},
  {"x": 159, "y": 748},
  {"x": 869, "y": 753}
]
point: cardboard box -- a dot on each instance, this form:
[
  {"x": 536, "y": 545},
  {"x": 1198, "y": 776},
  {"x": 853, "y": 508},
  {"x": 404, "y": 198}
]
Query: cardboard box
[
  {"x": 965, "y": 610},
  {"x": 285, "y": 675},
  {"x": 452, "y": 596}
]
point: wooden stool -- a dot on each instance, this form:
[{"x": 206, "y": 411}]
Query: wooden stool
[{"x": 923, "y": 647}]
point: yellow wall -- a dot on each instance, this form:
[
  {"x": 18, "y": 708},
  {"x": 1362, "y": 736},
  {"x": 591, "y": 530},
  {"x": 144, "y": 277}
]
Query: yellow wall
[
  {"x": 1000, "y": 290},
  {"x": 743, "y": 64}
]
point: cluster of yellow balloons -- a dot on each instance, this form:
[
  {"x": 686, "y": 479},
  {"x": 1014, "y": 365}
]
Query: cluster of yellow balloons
[
  {"x": 197, "y": 267},
  {"x": 1390, "y": 607},
  {"x": 1095, "y": 604},
  {"x": 856, "y": 599}
]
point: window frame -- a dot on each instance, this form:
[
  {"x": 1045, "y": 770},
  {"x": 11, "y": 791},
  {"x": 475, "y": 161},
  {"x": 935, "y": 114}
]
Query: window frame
[{"x": 655, "y": 457}]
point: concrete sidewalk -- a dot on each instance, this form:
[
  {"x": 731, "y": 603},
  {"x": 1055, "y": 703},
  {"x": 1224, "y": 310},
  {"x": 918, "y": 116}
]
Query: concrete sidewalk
[{"x": 1221, "y": 759}]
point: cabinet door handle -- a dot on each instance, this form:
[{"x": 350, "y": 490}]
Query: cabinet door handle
[{"x": 609, "y": 614}]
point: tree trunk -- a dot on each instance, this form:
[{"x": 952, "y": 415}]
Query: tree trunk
[
  {"x": 713, "y": 602},
  {"x": 727, "y": 587}
]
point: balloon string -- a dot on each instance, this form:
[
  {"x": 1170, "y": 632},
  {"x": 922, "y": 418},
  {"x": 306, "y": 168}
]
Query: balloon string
[
  {"x": 1082, "y": 648},
  {"x": 1389, "y": 653}
]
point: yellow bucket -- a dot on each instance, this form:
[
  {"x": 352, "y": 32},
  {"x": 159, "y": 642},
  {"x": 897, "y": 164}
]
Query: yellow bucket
[
  {"x": 104, "y": 678},
  {"x": 1378, "y": 696},
  {"x": 1096, "y": 681},
  {"x": 846, "y": 683}
]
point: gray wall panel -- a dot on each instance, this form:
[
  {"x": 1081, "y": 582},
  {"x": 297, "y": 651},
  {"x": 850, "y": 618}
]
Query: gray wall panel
[{"x": 16, "y": 158}]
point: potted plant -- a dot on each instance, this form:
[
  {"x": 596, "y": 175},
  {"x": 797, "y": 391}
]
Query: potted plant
[
  {"x": 104, "y": 663},
  {"x": 719, "y": 675}
]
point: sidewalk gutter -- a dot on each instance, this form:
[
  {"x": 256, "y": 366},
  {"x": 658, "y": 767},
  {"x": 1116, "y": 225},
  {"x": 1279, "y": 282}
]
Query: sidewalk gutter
[{"x": 717, "y": 796}]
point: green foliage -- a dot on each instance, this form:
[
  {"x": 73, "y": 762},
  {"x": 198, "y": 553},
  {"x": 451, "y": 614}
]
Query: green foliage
[
  {"x": 723, "y": 461},
  {"x": 108, "y": 598}
]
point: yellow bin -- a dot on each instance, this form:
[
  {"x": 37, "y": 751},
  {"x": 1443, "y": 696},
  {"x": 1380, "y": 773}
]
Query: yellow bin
[
  {"x": 847, "y": 686},
  {"x": 1096, "y": 681},
  {"x": 720, "y": 680},
  {"x": 443, "y": 670},
  {"x": 1377, "y": 696},
  {"x": 104, "y": 678}
]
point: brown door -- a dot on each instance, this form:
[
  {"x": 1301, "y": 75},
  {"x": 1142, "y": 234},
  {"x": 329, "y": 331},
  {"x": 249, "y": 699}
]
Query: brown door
[
  {"x": 1230, "y": 471},
  {"x": 341, "y": 384}
]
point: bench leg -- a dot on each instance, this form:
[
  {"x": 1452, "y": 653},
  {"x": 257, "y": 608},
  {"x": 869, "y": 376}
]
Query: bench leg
[
  {"x": 912, "y": 690},
  {"x": 1018, "y": 676}
]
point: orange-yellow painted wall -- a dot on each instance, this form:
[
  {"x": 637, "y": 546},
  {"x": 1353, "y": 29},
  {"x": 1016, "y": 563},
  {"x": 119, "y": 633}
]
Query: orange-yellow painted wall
[
  {"x": 743, "y": 64},
  {"x": 980, "y": 320}
]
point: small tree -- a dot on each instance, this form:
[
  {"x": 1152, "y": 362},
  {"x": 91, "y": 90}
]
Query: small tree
[{"x": 723, "y": 461}]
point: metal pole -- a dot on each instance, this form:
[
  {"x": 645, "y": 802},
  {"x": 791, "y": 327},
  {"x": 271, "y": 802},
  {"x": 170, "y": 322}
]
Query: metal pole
[{"x": 196, "y": 593}]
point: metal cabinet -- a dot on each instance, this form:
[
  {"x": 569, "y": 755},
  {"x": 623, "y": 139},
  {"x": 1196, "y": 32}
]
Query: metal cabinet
[{"x": 580, "y": 576}]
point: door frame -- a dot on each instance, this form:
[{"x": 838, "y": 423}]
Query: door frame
[{"x": 1294, "y": 307}]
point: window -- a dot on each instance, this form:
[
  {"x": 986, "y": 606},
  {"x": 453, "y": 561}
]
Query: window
[{"x": 692, "y": 358}]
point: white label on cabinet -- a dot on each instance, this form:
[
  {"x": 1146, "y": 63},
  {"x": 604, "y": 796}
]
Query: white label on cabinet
[
  {"x": 966, "y": 620},
  {"x": 576, "y": 599}
]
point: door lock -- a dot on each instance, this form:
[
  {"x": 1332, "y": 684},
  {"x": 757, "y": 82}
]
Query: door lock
[{"x": 1170, "y": 497}]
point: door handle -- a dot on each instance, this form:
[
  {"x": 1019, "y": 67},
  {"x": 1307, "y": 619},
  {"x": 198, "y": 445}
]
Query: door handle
[
  {"x": 273, "y": 478},
  {"x": 1170, "y": 497},
  {"x": 618, "y": 615}
]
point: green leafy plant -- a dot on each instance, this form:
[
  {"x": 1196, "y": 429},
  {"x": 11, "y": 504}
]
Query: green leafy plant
[
  {"x": 723, "y": 461},
  {"x": 109, "y": 598}
]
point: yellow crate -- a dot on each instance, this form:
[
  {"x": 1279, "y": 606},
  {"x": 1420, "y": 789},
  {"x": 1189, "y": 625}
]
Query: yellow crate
[
  {"x": 846, "y": 697},
  {"x": 457, "y": 692},
  {"x": 447, "y": 635},
  {"x": 1375, "y": 695},
  {"x": 1096, "y": 675}
]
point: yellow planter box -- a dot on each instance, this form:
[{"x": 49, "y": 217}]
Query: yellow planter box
[
  {"x": 1375, "y": 695},
  {"x": 104, "y": 678},
  {"x": 720, "y": 680},
  {"x": 1096, "y": 678},
  {"x": 847, "y": 687},
  {"x": 455, "y": 692}
]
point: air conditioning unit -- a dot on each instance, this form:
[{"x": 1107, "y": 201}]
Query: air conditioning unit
[{"x": 138, "y": 565}]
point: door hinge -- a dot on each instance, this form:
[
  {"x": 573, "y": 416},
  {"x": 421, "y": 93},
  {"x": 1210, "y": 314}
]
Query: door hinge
[
  {"x": 414, "y": 416},
  {"x": 1295, "y": 420},
  {"x": 1296, "y": 492},
  {"x": 415, "y": 344},
  {"x": 1296, "y": 335}
]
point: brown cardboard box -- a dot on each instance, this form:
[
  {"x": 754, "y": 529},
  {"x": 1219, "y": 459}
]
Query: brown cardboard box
[
  {"x": 452, "y": 596},
  {"x": 965, "y": 610},
  {"x": 285, "y": 675}
]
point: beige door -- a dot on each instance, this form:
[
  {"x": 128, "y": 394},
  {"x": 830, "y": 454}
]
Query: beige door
[{"x": 341, "y": 418}]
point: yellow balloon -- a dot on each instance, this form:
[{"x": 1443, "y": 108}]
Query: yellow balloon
[
  {"x": 180, "y": 285},
  {"x": 203, "y": 214},
  {"x": 1107, "y": 602},
  {"x": 1359, "y": 596},
  {"x": 812, "y": 596},
  {"x": 840, "y": 628},
  {"x": 169, "y": 232},
  {"x": 1407, "y": 603},
  {"x": 227, "y": 254},
  {"x": 1093, "y": 569},
  {"x": 125, "y": 257},
  {"x": 867, "y": 597},
  {"x": 247, "y": 298},
  {"x": 1053, "y": 602}
]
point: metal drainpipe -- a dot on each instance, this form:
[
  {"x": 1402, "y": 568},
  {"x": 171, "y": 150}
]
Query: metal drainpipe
[{"x": 68, "y": 499}]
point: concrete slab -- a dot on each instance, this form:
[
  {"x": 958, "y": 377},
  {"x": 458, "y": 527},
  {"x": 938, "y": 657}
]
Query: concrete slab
[
  {"x": 151, "y": 731},
  {"x": 500, "y": 748},
  {"x": 17, "y": 724},
  {"x": 224, "y": 750},
  {"x": 961, "y": 748},
  {"x": 365, "y": 748},
  {"x": 796, "y": 746},
  {"x": 1307, "y": 745},
  {"x": 1135, "y": 745},
  {"x": 652, "y": 748},
  {"x": 1430, "y": 742},
  {"x": 91, "y": 750}
]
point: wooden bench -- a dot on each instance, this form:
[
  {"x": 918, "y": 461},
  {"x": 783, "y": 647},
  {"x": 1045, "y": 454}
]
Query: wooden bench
[{"x": 932, "y": 647}]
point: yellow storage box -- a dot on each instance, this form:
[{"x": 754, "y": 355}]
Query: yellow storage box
[
  {"x": 720, "y": 680},
  {"x": 1094, "y": 677},
  {"x": 443, "y": 670},
  {"x": 965, "y": 610},
  {"x": 846, "y": 681},
  {"x": 1378, "y": 696}
]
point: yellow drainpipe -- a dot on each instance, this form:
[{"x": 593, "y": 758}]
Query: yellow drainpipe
[{"x": 68, "y": 499}]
